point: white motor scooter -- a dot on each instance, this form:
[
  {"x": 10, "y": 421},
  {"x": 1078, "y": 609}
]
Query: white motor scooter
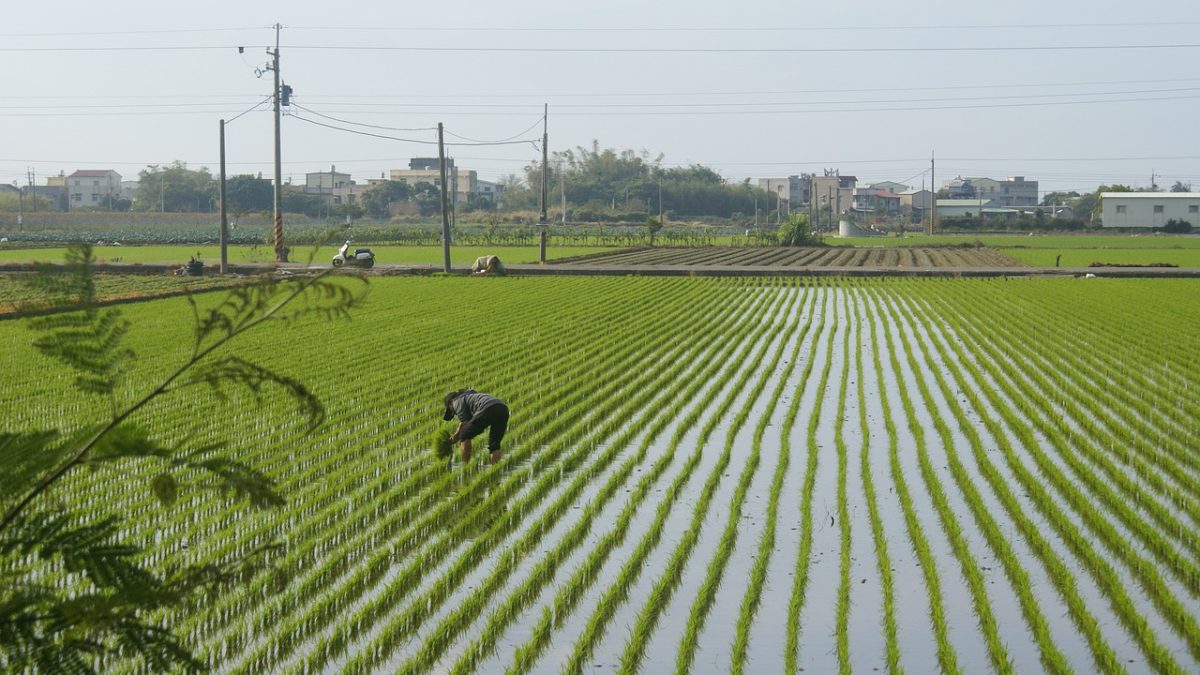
[{"x": 362, "y": 257}]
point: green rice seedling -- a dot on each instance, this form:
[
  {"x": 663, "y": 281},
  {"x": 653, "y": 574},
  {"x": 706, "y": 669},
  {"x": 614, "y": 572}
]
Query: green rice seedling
[
  {"x": 766, "y": 545},
  {"x": 633, "y": 566},
  {"x": 573, "y": 589},
  {"x": 997, "y": 652},
  {"x": 1083, "y": 544},
  {"x": 882, "y": 559},
  {"x": 716, "y": 568},
  {"x": 442, "y": 445},
  {"x": 402, "y": 624},
  {"x": 663, "y": 589},
  {"x": 1104, "y": 657},
  {"x": 947, "y": 659},
  {"x": 804, "y": 550},
  {"x": 1051, "y": 657},
  {"x": 519, "y": 598}
]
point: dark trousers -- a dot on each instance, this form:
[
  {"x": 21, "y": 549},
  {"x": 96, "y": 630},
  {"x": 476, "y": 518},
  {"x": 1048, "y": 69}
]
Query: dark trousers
[{"x": 494, "y": 418}]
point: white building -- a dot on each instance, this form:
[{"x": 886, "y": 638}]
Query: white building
[
  {"x": 1148, "y": 209},
  {"x": 332, "y": 187},
  {"x": 93, "y": 189}
]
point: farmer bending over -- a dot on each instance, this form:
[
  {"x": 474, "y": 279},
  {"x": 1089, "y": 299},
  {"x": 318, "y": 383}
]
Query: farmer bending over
[{"x": 475, "y": 412}]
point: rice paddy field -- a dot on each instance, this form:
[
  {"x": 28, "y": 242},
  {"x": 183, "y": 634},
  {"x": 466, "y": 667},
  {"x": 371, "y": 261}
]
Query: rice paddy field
[
  {"x": 1068, "y": 250},
  {"x": 701, "y": 475},
  {"x": 211, "y": 255}
]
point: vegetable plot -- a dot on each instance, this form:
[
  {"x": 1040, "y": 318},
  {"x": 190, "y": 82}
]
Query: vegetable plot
[{"x": 701, "y": 475}]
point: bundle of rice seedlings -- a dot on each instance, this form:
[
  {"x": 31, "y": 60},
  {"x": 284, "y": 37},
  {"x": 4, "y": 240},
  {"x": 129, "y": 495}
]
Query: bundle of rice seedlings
[{"x": 442, "y": 446}]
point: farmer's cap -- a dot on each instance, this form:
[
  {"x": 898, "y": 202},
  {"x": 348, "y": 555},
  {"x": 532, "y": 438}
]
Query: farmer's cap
[{"x": 449, "y": 412}]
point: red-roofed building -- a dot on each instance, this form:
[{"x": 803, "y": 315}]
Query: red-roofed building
[
  {"x": 93, "y": 189},
  {"x": 878, "y": 202}
]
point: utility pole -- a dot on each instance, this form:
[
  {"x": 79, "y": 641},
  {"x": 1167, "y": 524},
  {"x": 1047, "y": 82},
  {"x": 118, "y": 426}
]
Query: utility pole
[
  {"x": 562, "y": 192},
  {"x": 445, "y": 210},
  {"x": 20, "y": 206},
  {"x": 224, "y": 213},
  {"x": 281, "y": 254},
  {"x": 932, "y": 196},
  {"x": 829, "y": 201},
  {"x": 542, "y": 212}
]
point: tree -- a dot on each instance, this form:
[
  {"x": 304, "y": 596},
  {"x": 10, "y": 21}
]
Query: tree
[
  {"x": 117, "y": 603},
  {"x": 428, "y": 198},
  {"x": 247, "y": 193},
  {"x": 653, "y": 225},
  {"x": 797, "y": 231},
  {"x": 378, "y": 200},
  {"x": 1181, "y": 186},
  {"x": 175, "y": 187},
  {"x": 1056, "y": 198}
]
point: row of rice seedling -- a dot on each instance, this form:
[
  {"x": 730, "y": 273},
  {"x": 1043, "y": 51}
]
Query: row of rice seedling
[
  {"x": 429, "y": 495},
  {"x": 804, "y": 552},
  {"x": 766, "y": 544},
  {"x": 1056, "y": 568},
  {"x": 338, "y": 514},
  {"x": 1016, "y": 424},
  {"x": 883, "y": 563},
  {"x": 1154, "y": 443},
  {"x": 572, "y": 590},
  {"x": 1051, "y": 657},
  {"x": 468, "y": 608},
  {"x": 1100, "y": 499},
  {"x": 527, "y": 589},
  {"x": 618, "y": 591},
  {"x": 947, "y": 659},
  {"x": 668, "y": 580},
  {"x": 717, "y": 565},
  {"x": 1082, "y": 543},
  {"x": 564, "y": 442}
]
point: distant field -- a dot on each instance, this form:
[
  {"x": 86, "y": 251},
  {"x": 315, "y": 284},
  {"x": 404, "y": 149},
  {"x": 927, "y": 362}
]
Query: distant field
[
  {"x": 459, "y": 255},
  {"x": 108, "y": 286},
  {"x": 1076, "y": 250}
]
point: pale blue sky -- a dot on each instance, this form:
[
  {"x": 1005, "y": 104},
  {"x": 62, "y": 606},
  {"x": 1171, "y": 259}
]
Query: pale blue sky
[{"x": 855, "y": 92}]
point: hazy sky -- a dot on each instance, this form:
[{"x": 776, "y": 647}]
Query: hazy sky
[{"x": 751, "y": 89}]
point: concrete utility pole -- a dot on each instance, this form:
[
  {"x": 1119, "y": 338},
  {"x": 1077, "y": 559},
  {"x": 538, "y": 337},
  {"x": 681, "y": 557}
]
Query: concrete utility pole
[
  {"x": 545, "y": 169},
  {"x": 932, "y": 196},
  {"x": 280, "y": 251},
  {"x": 20, "y": 206},
  {"x": 224, "y": 213},
  {"x": 445, "y": 209}
]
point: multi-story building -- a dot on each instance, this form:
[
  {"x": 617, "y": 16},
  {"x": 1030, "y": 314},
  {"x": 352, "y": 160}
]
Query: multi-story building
[
  {"x": 1012, "y": 191},
  {"x": 332, "y": 187},
  {"x": 793, "y": 190},
  {"x": 463, "y": 182},
  {"x": 833, "y": 189},
  {"x": 876, "y": 201},
  {"x": 1148, "y": 209},
  {"x": 93, "y": 189}
]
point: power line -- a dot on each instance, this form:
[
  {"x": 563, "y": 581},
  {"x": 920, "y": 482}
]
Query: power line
[
  {"x": 745, "y": 29},
  {"x": 501, "y": 140},
  {"x": 254, "y": 107},
  {"x": 362, "y": 124},
  {"x": 738, "y": 50},
  {"x": 396, "y": 138},
  {"x": 161, "y": 31},
  {"x": 628, "y": 50},
  {"x": 663, "y": 94}
]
